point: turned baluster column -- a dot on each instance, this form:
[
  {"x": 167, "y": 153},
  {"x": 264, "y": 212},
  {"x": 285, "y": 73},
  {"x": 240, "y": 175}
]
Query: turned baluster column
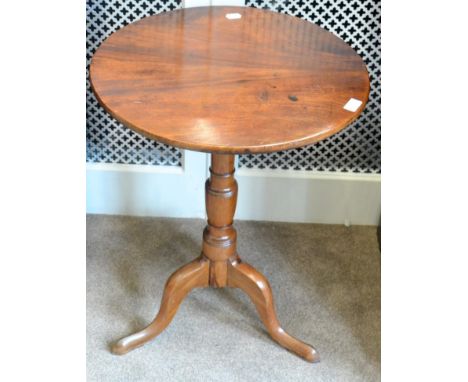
[{"x": 219, "y": 236}]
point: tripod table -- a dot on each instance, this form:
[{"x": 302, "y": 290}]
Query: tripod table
[{"x": 227, "y": 80}]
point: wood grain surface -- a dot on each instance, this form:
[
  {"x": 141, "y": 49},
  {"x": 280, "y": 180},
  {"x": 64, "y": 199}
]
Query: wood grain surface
[{"x": 195, "y": 79}]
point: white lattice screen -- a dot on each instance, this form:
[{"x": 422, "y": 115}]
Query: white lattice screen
[
  {"x": 107, "y": 140},
  {"x": 357, "y": 148}
]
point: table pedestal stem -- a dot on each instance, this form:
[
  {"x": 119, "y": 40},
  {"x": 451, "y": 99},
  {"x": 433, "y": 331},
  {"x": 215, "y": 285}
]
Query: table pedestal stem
[
  {"x": 219, "y": 236},
  {"x": 218, "y": 266}
]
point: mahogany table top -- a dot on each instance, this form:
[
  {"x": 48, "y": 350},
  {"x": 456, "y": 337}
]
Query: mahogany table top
[{"x": 204, "y": 79}]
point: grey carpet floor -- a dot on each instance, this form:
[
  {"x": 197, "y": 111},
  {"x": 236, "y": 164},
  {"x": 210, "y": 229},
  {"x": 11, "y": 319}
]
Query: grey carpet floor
[{"x": 325, "y": 280}]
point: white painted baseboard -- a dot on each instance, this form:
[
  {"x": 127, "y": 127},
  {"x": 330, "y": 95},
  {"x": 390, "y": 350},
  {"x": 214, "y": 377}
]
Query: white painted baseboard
[
  {"x": 272, "y": 195},
  {"x": 143, "y": 190},
  {"x": 309, "y": 197}
]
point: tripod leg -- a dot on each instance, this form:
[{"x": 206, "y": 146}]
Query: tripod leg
[
  {"x": 180, "y": 283},
  {"x": 256, "y": 286}
]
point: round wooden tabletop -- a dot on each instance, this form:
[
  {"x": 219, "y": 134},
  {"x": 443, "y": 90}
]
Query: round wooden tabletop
[{"x": 229, "y": 80}]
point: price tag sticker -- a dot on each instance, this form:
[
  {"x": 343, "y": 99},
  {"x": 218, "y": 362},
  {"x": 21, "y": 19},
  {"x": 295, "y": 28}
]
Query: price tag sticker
[
  {"x": 352, "y": 105},
  {"x": 233, "y": 16}
]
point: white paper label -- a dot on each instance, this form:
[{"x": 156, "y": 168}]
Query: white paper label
[
  {"x": 233, "y": 16},
  {"x": 352, "y": 105}
]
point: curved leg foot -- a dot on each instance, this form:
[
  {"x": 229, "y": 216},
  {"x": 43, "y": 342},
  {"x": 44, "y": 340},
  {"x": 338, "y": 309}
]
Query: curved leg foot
[
  {"x": 180, "y": 283},
  {"x": 252, "y": 282}
]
